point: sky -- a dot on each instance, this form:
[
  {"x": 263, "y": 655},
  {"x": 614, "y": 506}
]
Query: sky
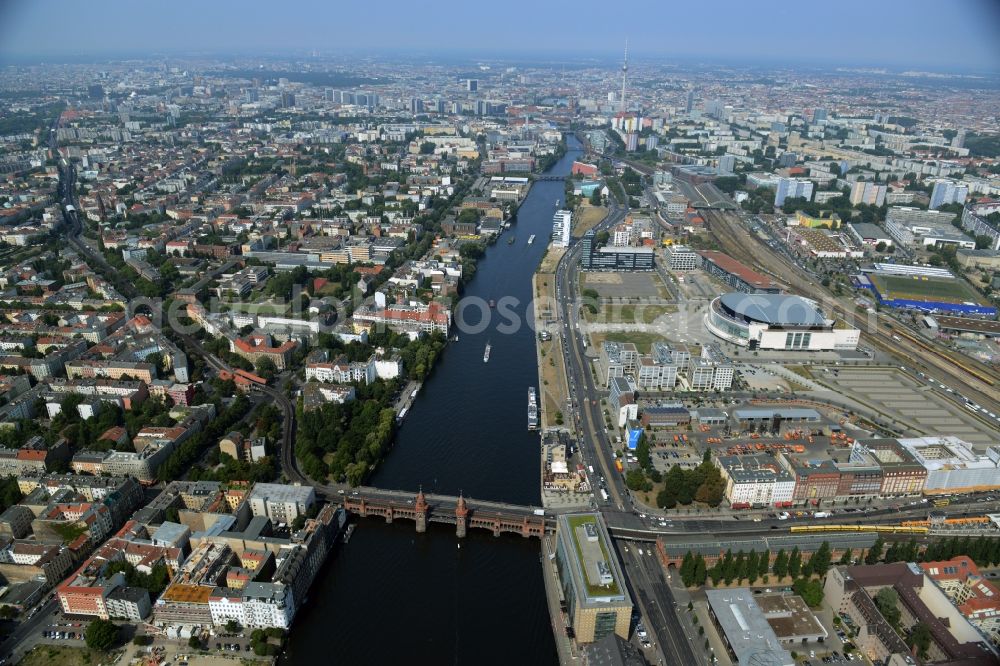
[{"x": 919, "y": 34}]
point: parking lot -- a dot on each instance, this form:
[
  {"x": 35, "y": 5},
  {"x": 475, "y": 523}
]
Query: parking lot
[{"x": 905, "y": 398}]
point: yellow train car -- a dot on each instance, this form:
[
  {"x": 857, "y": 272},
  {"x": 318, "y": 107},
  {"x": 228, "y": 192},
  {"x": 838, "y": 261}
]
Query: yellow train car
[{"x": 880, "y": 529}]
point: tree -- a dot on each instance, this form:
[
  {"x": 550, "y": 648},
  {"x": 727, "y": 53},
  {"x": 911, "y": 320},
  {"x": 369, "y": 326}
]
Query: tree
[
  {"x": 642, "y": 452},
  {"x": 887, "y": 602},
  {"x": 820, "y": 560},
  {"x": 794, "y": 562},
  {"x": 687, "y": 568},
  {"x": 763, "y": 563},
  {"x": 700, "y": 572},
  {"x": 753, "y": 562},
  {"x": 635, "y": 479},
  {"x": 811, "y": 591},
  {"x": 266, "y": 368},
  {"x": 846, "y": 557},
  {"x": 875, "y": 552},
  {"x": 780, "y": 568},
  {"x": 595, "y": 197},
  {"x": 666, "y": 498},
  {"x": 101, "y": 635},
  {"x": 427, "y": 148},
  {"x": 194, "y": 642},
  {"x": 920, "y": 638},
  {"x": 232, "y": 626}
]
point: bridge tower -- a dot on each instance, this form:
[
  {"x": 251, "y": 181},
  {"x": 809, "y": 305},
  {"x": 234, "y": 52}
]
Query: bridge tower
[
  {"x": 420, "y": 511},
  {"x": 461, "y": 517}
]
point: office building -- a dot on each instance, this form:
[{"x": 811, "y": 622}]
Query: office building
[
  {"x": 562, "y": 223},
  {"x": 618, "y": 359},
  {"x": 614, "y": 258},
  {"x": 715, "y": 108},
  {"x": 597, "y": 600},
  {"x": 757, "y": 480},
  {"x": 681, "y": 258},
  {"x": 867, "y": 192},
  {"x": 472, "y": 85},
  {"x": 727, "y": 164},
  {"x": 792, "y": 188},
  {"x": 948, "y": 192},
  {"x": 281, "y": 503}
]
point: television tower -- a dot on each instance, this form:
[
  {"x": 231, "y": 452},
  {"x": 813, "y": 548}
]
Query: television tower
[{"x": 624, "y": 74}]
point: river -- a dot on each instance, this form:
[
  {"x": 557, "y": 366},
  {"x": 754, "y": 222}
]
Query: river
[{"x": 394, "y": 596}]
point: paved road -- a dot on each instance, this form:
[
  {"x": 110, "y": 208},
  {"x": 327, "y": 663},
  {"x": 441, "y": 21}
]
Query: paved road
[
  {"x": 592, "y": 436},
  {"x": 28, "y": 632},
  {"x": 659, "y": 609}
]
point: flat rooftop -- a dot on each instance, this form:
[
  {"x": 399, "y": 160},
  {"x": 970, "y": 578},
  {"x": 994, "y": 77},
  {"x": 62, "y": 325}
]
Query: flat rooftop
[
  {"x": 790, "y": 617},
  {"x": 746, "y": 628},
  {"x": 985, "y": 326},
  {"x": 594, "y": 567},
  {"x": 281, "y": 492}
]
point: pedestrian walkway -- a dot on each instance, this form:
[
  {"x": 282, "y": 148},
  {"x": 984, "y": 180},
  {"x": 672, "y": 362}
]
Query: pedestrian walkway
[{"x": 566, "y": 647}]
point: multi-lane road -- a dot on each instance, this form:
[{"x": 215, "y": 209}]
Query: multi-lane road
[
  {"x": 584, "y": 396},
  {"x": 656, "y": 602}
]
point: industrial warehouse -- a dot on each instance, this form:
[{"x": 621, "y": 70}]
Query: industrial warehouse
[{"x": 777, "y": 322}]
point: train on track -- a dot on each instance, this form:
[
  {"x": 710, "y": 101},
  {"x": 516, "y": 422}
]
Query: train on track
[
  {"x": 881, "y": 529},
  {"x": 986, "y": 379}
]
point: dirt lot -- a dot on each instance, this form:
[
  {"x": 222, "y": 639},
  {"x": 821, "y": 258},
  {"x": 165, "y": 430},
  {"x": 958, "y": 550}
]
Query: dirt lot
[
  {"x": 614, "y": 313},
  {"x": 553, "y": 385},
  {"x": 551, "y": 258},
  {"x": 586, "y": 217},
  {"x": 57, "y": 655},
  {"x": 635, "y": 286}
]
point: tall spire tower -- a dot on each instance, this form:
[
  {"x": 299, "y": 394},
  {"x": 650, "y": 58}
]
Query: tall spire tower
[{"x": 624, "y": 74}]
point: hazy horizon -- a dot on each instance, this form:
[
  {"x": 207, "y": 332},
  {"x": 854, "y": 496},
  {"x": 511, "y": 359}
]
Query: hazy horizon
[{"x": 959, "y": 36}]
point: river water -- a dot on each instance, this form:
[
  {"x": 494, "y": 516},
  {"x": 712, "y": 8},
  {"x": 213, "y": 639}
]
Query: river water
[{"x": 394, "y": 596}]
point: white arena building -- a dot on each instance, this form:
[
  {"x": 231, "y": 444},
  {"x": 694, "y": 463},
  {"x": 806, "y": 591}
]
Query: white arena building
[{"x": 777, "y": 322}]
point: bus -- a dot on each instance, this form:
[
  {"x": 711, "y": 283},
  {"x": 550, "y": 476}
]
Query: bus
[{"x": 944, "y": 501}]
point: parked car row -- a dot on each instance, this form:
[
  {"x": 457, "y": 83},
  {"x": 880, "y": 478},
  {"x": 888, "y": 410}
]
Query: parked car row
[{"x": 62, "y": 635}]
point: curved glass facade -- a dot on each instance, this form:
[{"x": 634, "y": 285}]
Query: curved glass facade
[{"x": 725, "y": 327}]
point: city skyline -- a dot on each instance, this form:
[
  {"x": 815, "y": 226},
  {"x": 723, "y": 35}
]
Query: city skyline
[{"x": 893, "y": 34}]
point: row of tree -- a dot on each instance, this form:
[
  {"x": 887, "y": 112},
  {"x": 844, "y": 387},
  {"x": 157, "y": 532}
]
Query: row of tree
[{"x": 749, "y": 567}]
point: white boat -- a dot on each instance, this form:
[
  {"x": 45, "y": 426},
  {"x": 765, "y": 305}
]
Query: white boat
[
  {"x": 531, "y": 239},
  {"x": 532, "y": 409},
  {"x": 486, "y": 354}
]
